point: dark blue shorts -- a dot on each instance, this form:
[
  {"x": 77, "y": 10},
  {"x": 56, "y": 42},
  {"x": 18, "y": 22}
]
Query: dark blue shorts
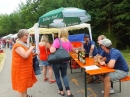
[{"x": 45, "y": 63}]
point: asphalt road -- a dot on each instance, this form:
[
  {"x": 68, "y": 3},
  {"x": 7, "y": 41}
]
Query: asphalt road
[{"x": 45, "y": 89}]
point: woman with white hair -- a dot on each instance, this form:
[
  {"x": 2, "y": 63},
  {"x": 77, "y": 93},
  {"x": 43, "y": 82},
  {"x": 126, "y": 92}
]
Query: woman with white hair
[
  {"x": 22, "y": 72},
  {"x": 44, "y": 48}
]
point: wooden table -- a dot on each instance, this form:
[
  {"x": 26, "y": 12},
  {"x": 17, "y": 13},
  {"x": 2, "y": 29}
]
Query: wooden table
[{"x": 89, "y": 62}]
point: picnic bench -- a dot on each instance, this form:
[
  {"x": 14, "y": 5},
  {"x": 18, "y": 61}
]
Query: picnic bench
[{"x": 127, "y": 78}]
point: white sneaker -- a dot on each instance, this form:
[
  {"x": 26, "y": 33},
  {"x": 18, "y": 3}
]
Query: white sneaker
[{"x": 111, "y": 91}]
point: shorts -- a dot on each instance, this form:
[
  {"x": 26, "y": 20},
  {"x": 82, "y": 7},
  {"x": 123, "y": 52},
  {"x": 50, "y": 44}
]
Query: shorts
[
  {"x": 45, "y": 63},
  {"x": 117, "y": 75}
]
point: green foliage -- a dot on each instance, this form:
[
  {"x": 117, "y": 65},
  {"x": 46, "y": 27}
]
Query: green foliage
[
  {"x": 114, "y": 38},
  {"x": 5, "y": 24},
  {"x": 127, "y": 50},
  {"x": 126, "y": 54},
  {"x": 111, "y": 18}
]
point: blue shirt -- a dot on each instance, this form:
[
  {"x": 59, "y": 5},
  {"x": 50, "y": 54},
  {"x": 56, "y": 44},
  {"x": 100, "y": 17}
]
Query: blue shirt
[
  {"x": 100, "y": 50},
  {"x": 115, "y": 54},
  {"x": 88, "y": 46}
]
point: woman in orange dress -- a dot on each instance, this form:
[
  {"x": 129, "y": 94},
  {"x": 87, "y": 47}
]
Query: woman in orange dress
[{"x": 22, "y": 72}]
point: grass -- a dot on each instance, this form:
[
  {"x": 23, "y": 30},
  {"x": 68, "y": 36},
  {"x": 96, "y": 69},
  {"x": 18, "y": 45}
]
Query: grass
[
  {"x": 1, "y": 57},
  {"x": 127, "y": 57},
  {"x": 126, "y": 54}
]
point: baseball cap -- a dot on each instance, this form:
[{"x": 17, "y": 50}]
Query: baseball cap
[
  {"x": 106, "y": 42},
  {"x": 86, "y": 35}
]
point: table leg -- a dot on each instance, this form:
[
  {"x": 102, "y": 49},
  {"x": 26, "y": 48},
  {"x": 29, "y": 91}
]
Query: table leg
[
  {"x": 81, "y": 69},
  {"x": 85, "y": 75},
  {"x": 112, "y": 84},
  {"x": 70, "y": 63},
  {"x": 70, "y": 66}
]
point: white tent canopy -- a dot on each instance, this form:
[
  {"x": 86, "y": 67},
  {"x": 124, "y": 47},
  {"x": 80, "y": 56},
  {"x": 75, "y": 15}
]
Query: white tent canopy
[
  {"x": 4, "y": 37},
  {"x": 35, "y": 30},
  {"x": 14, "y": 36},
  {"x": 44, "y": 30},
  {"x": 81, "y": 26},
  {"x": 55, "y": 30},
  {"x": 8, "y": 36}
]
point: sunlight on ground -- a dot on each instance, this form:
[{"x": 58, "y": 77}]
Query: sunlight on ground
[{"x": 2, "y": 58}]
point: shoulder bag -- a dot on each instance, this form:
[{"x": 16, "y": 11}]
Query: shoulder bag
[
  {"x": 36, "y": 67},
  {"x": 60, "y": 56}
]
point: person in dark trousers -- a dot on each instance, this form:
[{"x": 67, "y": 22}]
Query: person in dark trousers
[{"x": 61, "y": 68}]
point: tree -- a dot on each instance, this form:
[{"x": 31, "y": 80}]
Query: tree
[
  {"x": 109, "y": 17},
  {"x": 5, "y": 24}
]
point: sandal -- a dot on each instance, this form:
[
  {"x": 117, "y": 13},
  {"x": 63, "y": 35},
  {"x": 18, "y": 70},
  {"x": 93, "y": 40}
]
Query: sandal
[
  {"x": 29, "y": 96},
  {"x": 70, "y": 95},
  {"x": 59, "y": 92},
  {"x": 52, "y": 81},
  {"x": 45, "y": 79}
]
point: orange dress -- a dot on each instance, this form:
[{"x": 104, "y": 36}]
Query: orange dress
[{"x": 22, "y": 71}]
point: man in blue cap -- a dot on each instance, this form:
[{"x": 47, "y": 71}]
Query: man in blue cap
[
  {"x": 91, "y": 49},
  {"x": 89, "y": 46}
]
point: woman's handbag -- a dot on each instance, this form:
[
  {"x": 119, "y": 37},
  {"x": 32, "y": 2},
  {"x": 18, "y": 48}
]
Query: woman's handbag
[
  {"x": 60, "y": 56},
  {"x": 36, "y": 67}
]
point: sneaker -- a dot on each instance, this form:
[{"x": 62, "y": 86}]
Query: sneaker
[
  {"x": 96, "y": 79},
  {"x": 111, "y": 91}
]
